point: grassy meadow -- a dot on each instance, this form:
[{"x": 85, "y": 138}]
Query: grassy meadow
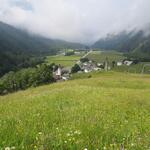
[
  {"x": 135, "y": 68},
  {"x": 100, "y": 56},
  {"x": 65, "y": 61},
  {"x": 105, "y": 111}
]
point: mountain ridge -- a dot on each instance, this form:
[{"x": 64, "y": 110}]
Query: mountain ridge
[
  {"x": 17, "y": 47},
  {"x": 134, "y": 43}
]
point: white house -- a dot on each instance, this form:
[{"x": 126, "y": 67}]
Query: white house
[
  {"x": 87, "y": 70},
  {"x": 58, "y": 72},
  {"x": 128, "y": 63},
  {"x": 119, "y": 63},
  {"x": 99, "y": 64}
]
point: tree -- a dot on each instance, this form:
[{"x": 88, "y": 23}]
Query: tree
[
  {"x": 75, "y": 68},
  {"x": 20, "y": 80},
  {"x": 113, "y": 64},
  {"x": 83, "y": 60}
]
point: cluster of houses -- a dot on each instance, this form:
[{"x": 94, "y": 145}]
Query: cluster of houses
[
  {"x": 85, "y": 67},
  {"x": 63, "y": 73},
  {"x": 88, "y": 66},
  {"x": 125, "y": 62}
]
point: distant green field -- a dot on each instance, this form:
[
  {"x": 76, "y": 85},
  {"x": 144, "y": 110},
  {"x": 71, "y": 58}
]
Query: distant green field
[
  {"x": 66, "y": 61},
  {"x": 100, "y": 56},
  {"x": 135, "y": 68},
  {"x": 109, "y": 111}
]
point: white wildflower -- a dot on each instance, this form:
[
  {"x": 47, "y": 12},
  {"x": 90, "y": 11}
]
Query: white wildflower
[
  {"x": 77, "y": 132},
  {"x": 7, "y": 148},
  {"x": 40, "y": 133},
  {"x": 104, "y": 148},
  {"x": 68, "y": 134},
  {"x": 69, "y": 139},
  {"x": 65, "y": 141},
  {"x": 132, "y": 144}
]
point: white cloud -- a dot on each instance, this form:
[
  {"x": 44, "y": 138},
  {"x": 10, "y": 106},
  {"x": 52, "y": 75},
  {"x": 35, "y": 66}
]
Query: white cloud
[{"x": 76, "y": 20}]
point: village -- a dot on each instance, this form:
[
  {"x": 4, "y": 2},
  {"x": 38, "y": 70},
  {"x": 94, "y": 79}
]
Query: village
[{"x": 86, "y": 65}]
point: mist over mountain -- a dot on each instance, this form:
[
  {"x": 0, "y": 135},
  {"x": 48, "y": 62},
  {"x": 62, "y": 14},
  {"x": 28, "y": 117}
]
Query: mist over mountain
[
  {"x": 12, "y": 38},
  {"x": 136, "y": 43},
  {"x": 83, "y": 21}
]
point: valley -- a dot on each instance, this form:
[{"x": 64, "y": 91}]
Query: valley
[{"x": 61, "y": 95}]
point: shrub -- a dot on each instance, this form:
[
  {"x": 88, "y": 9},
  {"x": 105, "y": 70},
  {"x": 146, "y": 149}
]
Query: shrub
[
  {"x": 75, "y": 68},
  {"x": 83, "y": 60},
  {"x": 20, "y": 80}
]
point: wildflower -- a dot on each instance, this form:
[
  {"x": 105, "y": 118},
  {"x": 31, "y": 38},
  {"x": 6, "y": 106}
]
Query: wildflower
[
  {"x": 104, "y": 148},
  {"x": 132, "y": 144},
  {"x": 65, "y": 141},
  {"x": 35, "y": 146},
  {"x": 40, "y": 133},
  {"x": 68, "y": 134},
  {"x": 13, "y": 147},
  {"x": 77, "y": 132},
  {"x": 7, "y": 148},
  {"x": 57, "y": 128},
  {"x": 85, "y": 149}
]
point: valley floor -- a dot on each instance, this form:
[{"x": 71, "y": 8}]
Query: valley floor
[{"x": 106, "y": 111}]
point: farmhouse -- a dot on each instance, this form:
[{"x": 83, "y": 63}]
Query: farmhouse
[
  {"x": 128, "y": 62},
  {"x": 119, "y": 63}
]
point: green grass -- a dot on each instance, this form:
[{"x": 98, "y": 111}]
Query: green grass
[
  {"x": 66, "y": 61},
  {"x": 107, "y": 111},
  {"x": 100, "y": 56},
  {"x": 135, "y": 68}
]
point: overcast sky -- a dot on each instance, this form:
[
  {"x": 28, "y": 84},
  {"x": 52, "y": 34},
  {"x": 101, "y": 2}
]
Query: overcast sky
[{"x": 76, "y": 20}]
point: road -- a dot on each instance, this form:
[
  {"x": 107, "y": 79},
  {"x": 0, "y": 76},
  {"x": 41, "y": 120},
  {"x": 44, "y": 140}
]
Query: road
[{"x": 87, "y": 54}]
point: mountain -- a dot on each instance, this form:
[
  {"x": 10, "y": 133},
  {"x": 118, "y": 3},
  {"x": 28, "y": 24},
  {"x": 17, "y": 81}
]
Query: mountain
[
  {"x": 17, "y": 47},
  {"x": 124, "y": 41},
  {"x": 12, "y": 38},
  {"x": 135, "y": 44}
]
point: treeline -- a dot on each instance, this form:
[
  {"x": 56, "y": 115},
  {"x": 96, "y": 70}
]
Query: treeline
[
  {"x": 17, "y": 61},
  {"x": 138, "y": 55},
  {"x": 25, "y": 78}
]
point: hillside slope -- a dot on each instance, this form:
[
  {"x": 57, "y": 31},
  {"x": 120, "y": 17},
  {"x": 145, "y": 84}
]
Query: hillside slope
[
  {"x": 18, "y": 46},
  {"x": 137, "y": 44},
  {"x": 13, "y": 39},
  {"x": 108, "y": 111}
]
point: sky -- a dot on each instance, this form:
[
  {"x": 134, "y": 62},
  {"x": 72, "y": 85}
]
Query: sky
[{"x": 82, "y": 21}]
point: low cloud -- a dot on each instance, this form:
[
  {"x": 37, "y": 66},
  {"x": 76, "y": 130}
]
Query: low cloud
[{"x": 76, "y": 20}]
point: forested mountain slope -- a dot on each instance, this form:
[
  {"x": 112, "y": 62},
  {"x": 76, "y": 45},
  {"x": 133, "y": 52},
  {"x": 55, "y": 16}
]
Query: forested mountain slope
[
  {"x": 17, "y": 47},
  {"x": 136, "y": 44}
]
